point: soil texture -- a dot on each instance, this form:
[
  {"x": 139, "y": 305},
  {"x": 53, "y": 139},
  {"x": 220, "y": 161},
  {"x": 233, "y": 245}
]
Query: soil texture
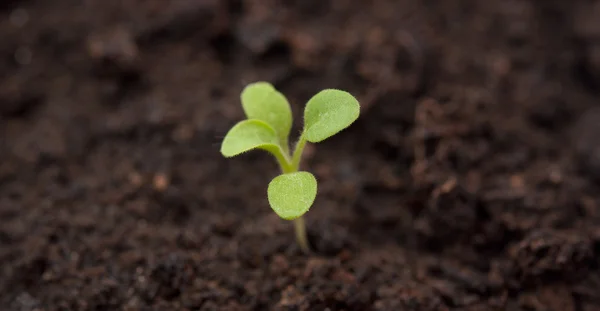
[{"x": 471, "y": 181}]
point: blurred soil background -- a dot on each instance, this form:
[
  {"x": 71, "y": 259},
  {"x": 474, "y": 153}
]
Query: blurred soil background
[{"x": 470, "y": 182}]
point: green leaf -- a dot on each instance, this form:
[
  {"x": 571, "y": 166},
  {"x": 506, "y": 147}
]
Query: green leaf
[
  {"x": 329, "y": 112},
  {"x": 262, "y": 101},
  {"x": 250, "y": 134},
  {"x": 291, "y": 195}
]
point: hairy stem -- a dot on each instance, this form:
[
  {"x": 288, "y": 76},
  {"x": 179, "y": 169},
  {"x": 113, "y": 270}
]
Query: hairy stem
[
  {"x": 299, "y": 225},
  {"x": 285, "y": 145},
  {"x": 283, "y": 161},
  {"x": 292, "y": 165},
  {"x": 297, "y": 156}
]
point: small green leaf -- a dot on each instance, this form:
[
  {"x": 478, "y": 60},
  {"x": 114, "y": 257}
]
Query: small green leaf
[
  {"x": 329, "y": 112},
  {"x": 291, "y": 195},
  {"x": 247, "y": 135},
  {"x": 262, "y": 101}
]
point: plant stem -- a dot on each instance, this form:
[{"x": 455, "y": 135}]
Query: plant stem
[
  {"x": 291, "y": 166},
  {"x": 299, "y": 225},
  {"x": 297, "y": 156},
  {"x": 285, "y": 145},
  {"x": 283, "y": 161},
  {"x": 301, "y": 235}
]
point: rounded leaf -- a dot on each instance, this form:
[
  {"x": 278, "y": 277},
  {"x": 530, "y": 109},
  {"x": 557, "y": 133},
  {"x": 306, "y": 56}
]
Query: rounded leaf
[
  {"x": 291, "y": 195},
  {"x": 329, "y": 112},
  {"x": 247, "y": 135},
  {"x": 262, "y": 101}
]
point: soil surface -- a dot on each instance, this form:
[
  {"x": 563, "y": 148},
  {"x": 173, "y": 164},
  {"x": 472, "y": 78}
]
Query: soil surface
[{"x": 470, "y": 182}]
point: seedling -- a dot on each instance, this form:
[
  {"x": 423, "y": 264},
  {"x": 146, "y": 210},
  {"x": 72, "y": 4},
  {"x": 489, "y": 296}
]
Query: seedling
[{"x": 267, "y": 127}]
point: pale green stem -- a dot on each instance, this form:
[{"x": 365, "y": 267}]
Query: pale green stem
[
  {"x": 285, "y": 145},
  {"x": 301, "y": 236},
  {"x": 297, "y": 156},
  {"x": 292, "y": 166},
  {"x": 283, "y": 161},
  {"x": 299, "y": 225}
]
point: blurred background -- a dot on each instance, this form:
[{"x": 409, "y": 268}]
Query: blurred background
[{"x": 470, "y": 181}]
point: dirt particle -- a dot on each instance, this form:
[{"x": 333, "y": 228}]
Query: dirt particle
[
  {"x": 586, "y": 20},
  {"x": 408, "y": 297},
  {"x": 292, "y": 299},
  {"x": 14, "y": 102},
  {"x": 258, "y": 36},
  {"x": 136, "y": 179},
  {"x": 587, "y": 143},
  {"x": 170, "y": 275},
  {"x": 328, "y": 238},
  {"x": 451, "y": 214},
  {"x": 279, "y": 264},
  {"x": 545, "y": 255},
  {"x": 550, "y": 298},
  {"x": 26, "y": 302},
  {"x": 550, "y": 114},
  {"x": 19, "y": 17},
  {"x": 183, "y": 133},
  {"x": 115, "y": 45},
  {"x": 23, "y": 55},
  {"x": 160, "y": 182}
]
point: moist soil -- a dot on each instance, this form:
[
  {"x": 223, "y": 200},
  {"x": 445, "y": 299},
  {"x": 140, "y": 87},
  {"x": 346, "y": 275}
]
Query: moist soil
[{"x": 470, "y": 181}]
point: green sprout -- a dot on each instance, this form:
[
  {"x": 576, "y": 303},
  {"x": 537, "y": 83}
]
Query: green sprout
[{"x": 268, "y": 126}]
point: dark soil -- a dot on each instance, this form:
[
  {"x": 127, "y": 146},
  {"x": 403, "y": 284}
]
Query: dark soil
[{"x": 470, "y": 182}]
